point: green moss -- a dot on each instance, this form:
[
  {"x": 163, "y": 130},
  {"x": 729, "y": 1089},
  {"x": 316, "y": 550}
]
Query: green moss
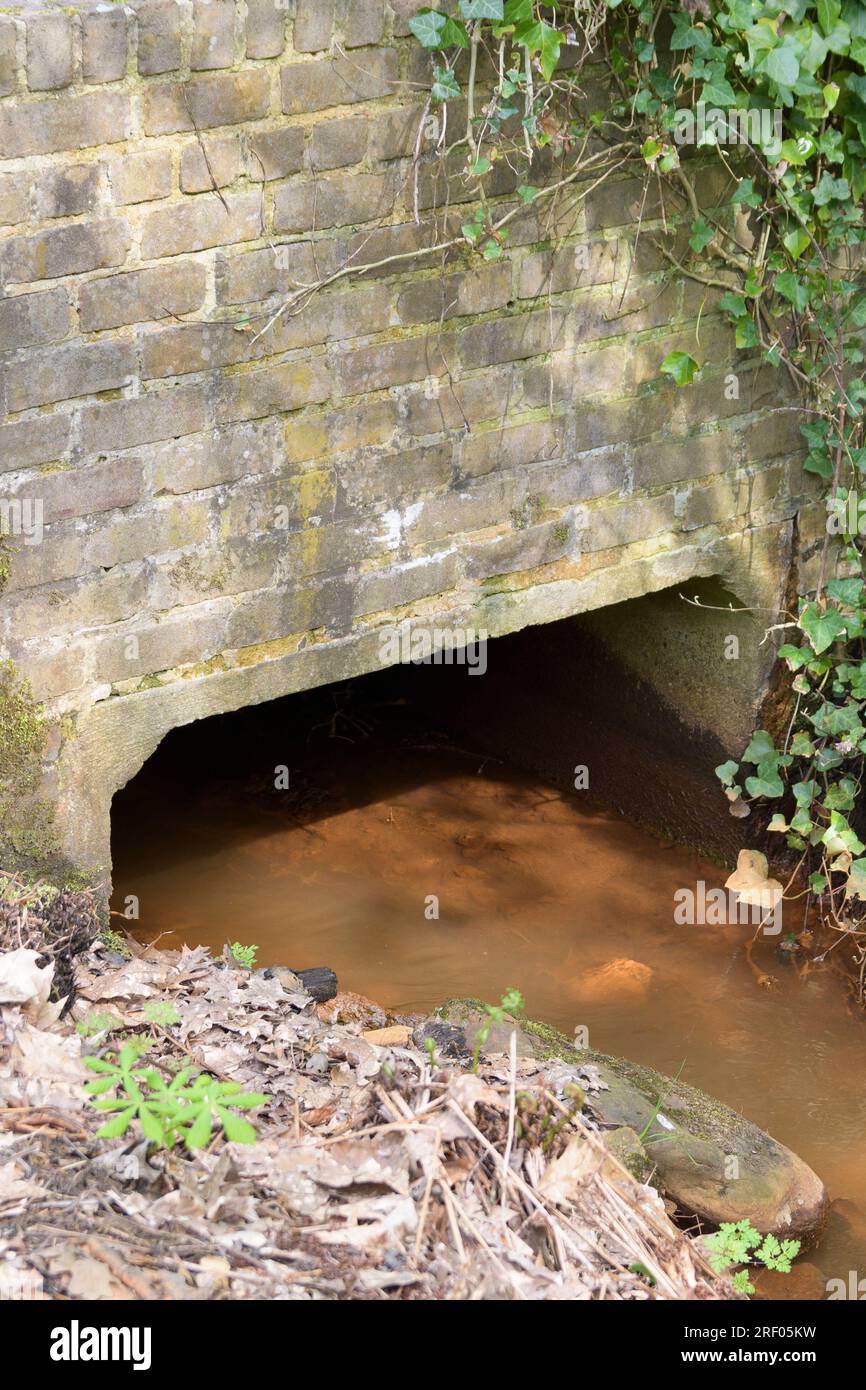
[{"x": 26, "y": 823}]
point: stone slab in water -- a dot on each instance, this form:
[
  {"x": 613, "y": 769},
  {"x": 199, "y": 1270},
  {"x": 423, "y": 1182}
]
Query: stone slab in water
[{"x": 709, "y": 1159}]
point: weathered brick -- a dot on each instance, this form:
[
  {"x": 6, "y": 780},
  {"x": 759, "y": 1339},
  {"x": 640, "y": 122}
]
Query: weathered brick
[
  {"x": 403, "y": 12},
  {"x": 302, "y": 438},
  {"x": 52, "y": 674},
  {"x": 142, "y": 295},
  {"x": 510, "y": 448},
  {"x": 461, "y": 510},
  {"x": 474, "y": 291},
  {"x": 616, "y": 203},
  {"x": 66, "y": 191},
  {"x": 8, "y": 56},
  {"x": 142, "y": 177},
  {"x": 571, "y": 268},
  {"x": 572, "y": 376},
  {"x": 656, "y": 466},
  {"x": 393, "y": 134},
  {"x": 60, "y": 558},
  {"x": 252, "y": 509},
  {"x": 773, "y": 434},
  {"x": 265, "y": 28},
  {"x": 335, "y": 200},
  {"x": 49, "y": 52},
  {"x": 144, "y": 420},
  {"x": 161, "y": 26},
  {"x": 77, "y": 122},
  {"x": 266, "y": 616},
  {"x": 365, "y": 424},
  {"x": 218, "y": 99},
  {"x": 527, "y": 549},
  {"x": 86, "y": 491},
  {"x": 391, "y": 364},
  {"x": 273, "y": 390},
  {"x": 509, "y": 340},
  {"x": 314, "y": 22},
  {"x": 211, "y": 164},
  {"x": 580, "y": 479},
  {"x": 405, "y": 583},
  {"x": 63, "y": 251},
  {"x": 729, "y": 497},
  {"x": 194, "y": 226},
  {"x": 176, "y": 640},
  {"x": 14, "y": 199},
  {"x": 391, "y": 478},
  {"x": 623, "y": 523},
  {"x": 218, "y": 456},
  {"x": 449, "y": 405},
  {"x": 76, "y": 603},
  {"x": 42, "y": 440},
  {"x": 335, "y": 144},
  {"x": 166, "y": 526},
  {"x": 62, "y": 373},
  {"x": 254, "y": 275},
  {"x": 213, "y": 40},
  {"x": 312, "y": 86},
  {"x": 195, "y": 347},
  {"x": 363, "y": 22},
  {"x": 103, "y": 45},
  {"x": 29, "y": 320},
  {"x": 274, "y": 154}
]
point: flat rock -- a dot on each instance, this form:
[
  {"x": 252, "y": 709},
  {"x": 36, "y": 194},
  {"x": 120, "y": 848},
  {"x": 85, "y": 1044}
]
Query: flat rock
[{"x": 709, "y": 1159}]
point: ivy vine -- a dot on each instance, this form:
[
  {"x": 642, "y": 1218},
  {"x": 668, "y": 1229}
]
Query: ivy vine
[{"x": 782, "y": 88}]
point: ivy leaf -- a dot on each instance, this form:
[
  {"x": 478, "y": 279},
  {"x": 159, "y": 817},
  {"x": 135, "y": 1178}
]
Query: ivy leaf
[
  {"x": 817, "y": 882},
  {"x": 783, "y": 65},
  {"x": 726, "y": 772},
  {"x": 733, "y": 304},
  {"x": 745, "y": 193},
  {"x": 760, "y": 747},
  {"x": 718, "y": 92},
  {"x": 681, "y": 367},
  {"x": 827, "y": 188},
  {"x": 445, "y": 86},
  {"x": 482, "y": 9},
  {"x": 822, "y": 629},
  {"x": 789, "y": 287},
  {"x": 765, "y": 786},
  {"x": 427, "y": 26},
  {"x": 702, "y": 235}
]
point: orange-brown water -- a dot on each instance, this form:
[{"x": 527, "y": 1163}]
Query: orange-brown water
[{"x": 535, "y": 889}]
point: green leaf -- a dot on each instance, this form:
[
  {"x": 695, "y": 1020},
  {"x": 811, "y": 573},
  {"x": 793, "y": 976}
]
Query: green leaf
[
  {"x": 199, "y": 1131},
  {"x": 789, "y": 287},
  {"x": 480, "y": 166},
  {"x": 482, "y": 9},
  {"x": 119, "y": 1125},
  {"x": 783, "y": 66},
  {"x": 702, "y": 235},
  {"x": 822, "y": 629},
  {"x": 726, "y": 772},
  {"x": 827, "y": 188},
  {"x": 765, "y": 786},
  {"x": 238, "y": 1130},
  {"x": 427, "y": 26},
  {"x": 760, "y": 747},
  {"x": 681, "y": 367}
]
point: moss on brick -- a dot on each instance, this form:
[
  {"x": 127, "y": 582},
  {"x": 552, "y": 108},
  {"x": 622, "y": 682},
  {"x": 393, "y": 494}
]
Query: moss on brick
[{"x": 26, "y": 823}]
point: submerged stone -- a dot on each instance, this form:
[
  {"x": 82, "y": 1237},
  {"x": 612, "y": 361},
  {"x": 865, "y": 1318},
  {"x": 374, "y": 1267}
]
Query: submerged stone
[{"x": 710, "y": 1160}]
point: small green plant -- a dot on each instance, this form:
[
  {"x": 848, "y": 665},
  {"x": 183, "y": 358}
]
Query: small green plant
[
  {"x": 97, "y": 1021},
  {"x": 112, "y": 940},
  {"x": 167, "y": 1111},
  {"x": 511, "y": 1002},
  {"x": 738, "y": 1243},
  {"x": 161, "y": 1012},
  {"x": 244, "y": 955}
]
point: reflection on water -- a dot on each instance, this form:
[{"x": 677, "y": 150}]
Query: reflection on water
[{"x": 534, "y": 889}]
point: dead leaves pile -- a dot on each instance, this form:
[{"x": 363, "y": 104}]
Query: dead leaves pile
[{"x": 374, "y": 1176}]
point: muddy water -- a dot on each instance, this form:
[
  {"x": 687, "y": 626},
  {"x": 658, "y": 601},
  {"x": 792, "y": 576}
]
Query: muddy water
[{"x": 535, "y": 889}]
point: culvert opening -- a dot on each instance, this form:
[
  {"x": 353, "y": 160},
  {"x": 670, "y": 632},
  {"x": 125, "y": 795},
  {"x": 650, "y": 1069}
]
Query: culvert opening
[{"x": 419, "y": 831}]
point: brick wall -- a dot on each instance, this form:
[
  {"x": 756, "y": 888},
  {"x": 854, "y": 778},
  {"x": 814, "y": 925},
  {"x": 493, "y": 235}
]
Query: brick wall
[{"x": 492, "y": 441}]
